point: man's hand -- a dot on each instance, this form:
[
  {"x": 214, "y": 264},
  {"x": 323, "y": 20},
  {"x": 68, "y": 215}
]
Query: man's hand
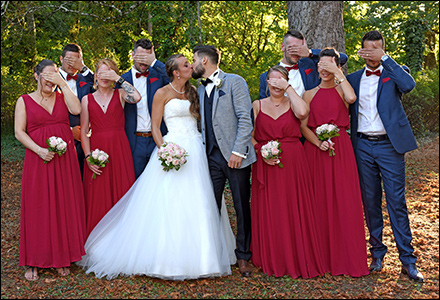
[
  {"x": 371, "y": 54},
  {"x": 234, "y": 161},
  {"x": 76, "y": 131}
]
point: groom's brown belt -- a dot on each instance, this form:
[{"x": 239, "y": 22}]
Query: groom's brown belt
[
  {"x": 374, "y": 138},
  {"x": 144, "y": 134}
]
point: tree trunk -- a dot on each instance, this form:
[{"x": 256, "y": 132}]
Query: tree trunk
[
  {"x": 31, "y": 48},
  {"x": 321, "y": 23}
]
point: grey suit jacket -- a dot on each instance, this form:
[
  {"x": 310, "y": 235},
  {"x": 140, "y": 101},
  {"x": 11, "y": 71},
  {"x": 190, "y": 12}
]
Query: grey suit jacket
[{"x": 231, "y": 117}]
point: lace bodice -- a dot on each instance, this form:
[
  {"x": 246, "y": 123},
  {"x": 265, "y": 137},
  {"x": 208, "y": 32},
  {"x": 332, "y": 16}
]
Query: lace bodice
[{"x": 178, "y": 118}]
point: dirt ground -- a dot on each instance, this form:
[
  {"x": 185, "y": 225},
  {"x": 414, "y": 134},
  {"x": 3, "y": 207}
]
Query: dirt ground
[{"x": 423, "y": 206}]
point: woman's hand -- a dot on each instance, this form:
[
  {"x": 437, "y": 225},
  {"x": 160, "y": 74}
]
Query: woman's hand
[
  {"x": 94, "y": 168},
  {"x": 45, "y": 154},
  {"x": 108, "y": 75},
  {"x": 330, "y": 67},
  {"x": 54, "y": 77},
  {"x": 279, "y": 83},
  {"x": 326, "y": 145},
  {"x": 272, "y": 161}
]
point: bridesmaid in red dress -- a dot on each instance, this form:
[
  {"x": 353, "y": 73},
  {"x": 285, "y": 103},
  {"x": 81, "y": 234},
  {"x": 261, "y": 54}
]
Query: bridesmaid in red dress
[
  {"x": 336, "y": 183},
  {"x": 284, "y": 240},
  {"x": 52, "y": 226},
  {"x": 103, "y": 113}
]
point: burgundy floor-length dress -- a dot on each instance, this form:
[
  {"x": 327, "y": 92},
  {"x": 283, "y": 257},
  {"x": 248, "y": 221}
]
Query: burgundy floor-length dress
[
  {"x": 108, "y": 135},
  {"x": 52, "y": 200},
  {"x": 337, "y": 191},
  {"x": 284, "y": 240}
]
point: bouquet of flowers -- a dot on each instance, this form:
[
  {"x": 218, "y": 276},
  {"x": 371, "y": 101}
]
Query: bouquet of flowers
[
  {"x": 172, "y": 156},
  {"x": 99, "y": 158},
  {"x": 272, "y": 150},
  {"x": 57, "y": 145},
  {"x": 325, "y": 132}
]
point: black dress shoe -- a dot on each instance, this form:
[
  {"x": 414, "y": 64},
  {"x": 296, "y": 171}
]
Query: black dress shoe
[
  {"x": 412, "y": 272},
  {"x": 376, "y": 265}
]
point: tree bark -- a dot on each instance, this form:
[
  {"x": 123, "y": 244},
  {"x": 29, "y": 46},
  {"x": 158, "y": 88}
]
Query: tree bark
[{"x": 321, "y": 22}]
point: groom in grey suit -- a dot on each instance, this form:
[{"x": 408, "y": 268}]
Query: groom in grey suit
[{"x": 225, "y": 108}]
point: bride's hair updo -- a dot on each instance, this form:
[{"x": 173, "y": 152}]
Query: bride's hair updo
[{"x": 190, "y": 91}]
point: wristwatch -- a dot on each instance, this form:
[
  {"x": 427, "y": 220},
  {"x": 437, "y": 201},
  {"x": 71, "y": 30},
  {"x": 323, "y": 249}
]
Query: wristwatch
[
  {"x": 384, "y": 57},
  {"x": 83, "y": 69},
  {"x": 120, "y": 80}
]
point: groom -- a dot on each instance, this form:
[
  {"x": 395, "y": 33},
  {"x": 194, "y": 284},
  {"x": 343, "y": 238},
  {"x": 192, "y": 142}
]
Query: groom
[{"x": 225, "y": 108}]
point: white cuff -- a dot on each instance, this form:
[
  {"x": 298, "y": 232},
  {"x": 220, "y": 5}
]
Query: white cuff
[{"x": 239, "y": 154}]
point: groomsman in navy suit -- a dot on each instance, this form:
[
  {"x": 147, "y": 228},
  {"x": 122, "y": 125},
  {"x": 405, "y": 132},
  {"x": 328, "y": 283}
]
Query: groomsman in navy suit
[
  {"x": 300, "y": 62},
  {"x": 81, "y": 84},
  {"x": 381, "y": 135},
  {"x": 147, "y": 75}
]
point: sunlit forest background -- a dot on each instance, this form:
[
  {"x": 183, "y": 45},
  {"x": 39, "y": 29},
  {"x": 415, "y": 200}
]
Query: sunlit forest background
[{"x": 248, "y": 34}]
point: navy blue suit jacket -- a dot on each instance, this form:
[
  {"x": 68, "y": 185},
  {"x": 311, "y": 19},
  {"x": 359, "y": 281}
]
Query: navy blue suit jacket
[
  {"x": 156, "y": 79},
  {"x": 307, "y": 68},
  {"x": 394, "y": 81}
]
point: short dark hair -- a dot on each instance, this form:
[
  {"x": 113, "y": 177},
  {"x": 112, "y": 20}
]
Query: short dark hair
[
  {"x": 373, "y": 35},
  {"x": 143, "y": 43},
  {"x": 210, "y": 51},
  {"x": 293, "y": 33},
  {"x": 330, "y": 51},
  {"x": 72, "y": 48}
]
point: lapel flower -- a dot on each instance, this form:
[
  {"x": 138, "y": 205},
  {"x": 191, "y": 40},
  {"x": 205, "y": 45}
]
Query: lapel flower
[{"x": 218, "y": 82}]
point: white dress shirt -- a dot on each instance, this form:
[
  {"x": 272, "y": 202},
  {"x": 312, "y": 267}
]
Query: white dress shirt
[
  {"x": 369, "y": 119},
  {"x": 143, "y": 113},
  {"x": 71, "y": 83},
  {"x": 210, "y": 86},
  {"x": 295, "y": 80}
]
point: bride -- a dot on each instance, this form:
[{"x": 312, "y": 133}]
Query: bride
[{"x": 168, "y": 224}]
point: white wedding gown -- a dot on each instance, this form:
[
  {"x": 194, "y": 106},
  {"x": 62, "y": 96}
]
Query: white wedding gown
[{"x": 167, "y": 225}]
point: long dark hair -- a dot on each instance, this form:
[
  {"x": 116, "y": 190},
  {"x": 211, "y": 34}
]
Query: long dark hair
[{"x": 190, "y": 90}]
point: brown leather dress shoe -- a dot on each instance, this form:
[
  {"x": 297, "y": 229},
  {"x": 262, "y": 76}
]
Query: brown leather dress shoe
[{"x": 244, "y": 267}]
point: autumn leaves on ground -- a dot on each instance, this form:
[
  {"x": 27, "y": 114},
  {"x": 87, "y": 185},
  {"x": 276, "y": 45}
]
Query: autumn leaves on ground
[{"x": 423, "y": 205}]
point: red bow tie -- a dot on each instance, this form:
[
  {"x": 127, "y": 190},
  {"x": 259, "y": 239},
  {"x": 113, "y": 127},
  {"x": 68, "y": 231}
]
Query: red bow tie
[
  {"x": 142, "y": 74},
  {"x": 377, "y": 73},
  {"x": 294, "y": 67},
  {"x": 74, "y": 77}
]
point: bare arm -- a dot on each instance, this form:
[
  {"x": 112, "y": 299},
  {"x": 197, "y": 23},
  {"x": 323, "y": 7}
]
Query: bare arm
[
  {"x": 256, "y": 108},
  {"x": 299, "y": 107},
  {"x": 157, "y": 109},
  {"x": 129, "y": 93},
  {"x": 20, "y": 122},
  {"x": 349, "y": 95},
  {"x": 85, "y": 140}
]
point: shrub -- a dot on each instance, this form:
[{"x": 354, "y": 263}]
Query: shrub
[{"x": 422, "y": 104}]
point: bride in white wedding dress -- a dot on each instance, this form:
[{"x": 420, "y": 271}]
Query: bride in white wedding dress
[{"x": 168, "y": 224}]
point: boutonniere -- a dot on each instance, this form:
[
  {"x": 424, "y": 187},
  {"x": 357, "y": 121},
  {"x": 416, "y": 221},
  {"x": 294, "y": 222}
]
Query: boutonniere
[{"x": 218, "y": 82}]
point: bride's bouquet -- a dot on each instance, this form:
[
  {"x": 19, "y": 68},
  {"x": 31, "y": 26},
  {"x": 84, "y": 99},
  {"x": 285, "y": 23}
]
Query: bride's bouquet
[
  {"x": 326, "y": 132},
  {"x": 57, "y": 145},
  {"x": 172, "y": 156},
  {"x": 99, "y": 158},
  {"x": 272, "y": 150}
]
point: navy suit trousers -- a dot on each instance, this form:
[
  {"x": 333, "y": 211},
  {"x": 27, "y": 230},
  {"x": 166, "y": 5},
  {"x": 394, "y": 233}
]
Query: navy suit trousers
[{"x": 378, "y": 162}]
